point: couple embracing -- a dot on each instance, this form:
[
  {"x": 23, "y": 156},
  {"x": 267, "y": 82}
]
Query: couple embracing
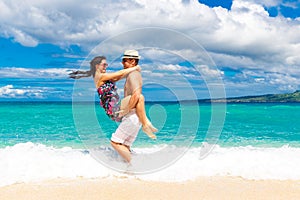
[{"x": 130, "y": 111}]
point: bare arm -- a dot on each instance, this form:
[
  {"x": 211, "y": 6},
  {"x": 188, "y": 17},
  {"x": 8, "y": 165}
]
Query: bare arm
[{"x": 115, "y": 76}]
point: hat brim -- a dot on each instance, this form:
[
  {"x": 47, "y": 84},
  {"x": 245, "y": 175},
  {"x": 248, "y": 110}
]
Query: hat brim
[{"x": 134, "y": 57}]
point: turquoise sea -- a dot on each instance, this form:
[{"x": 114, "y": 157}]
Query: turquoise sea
[
  {"x": 52, "y": 124},
  {"x": 60, "y": 137}
]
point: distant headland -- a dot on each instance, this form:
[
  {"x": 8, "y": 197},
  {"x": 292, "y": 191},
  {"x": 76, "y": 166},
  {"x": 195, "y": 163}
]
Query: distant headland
[{"x": 268, "y": 98}]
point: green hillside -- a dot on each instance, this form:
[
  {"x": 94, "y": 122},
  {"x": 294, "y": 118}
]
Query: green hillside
[{"x": 269, "y": 98}]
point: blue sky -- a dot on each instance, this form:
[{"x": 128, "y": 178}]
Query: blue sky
[{"x": 250, "y": 47}]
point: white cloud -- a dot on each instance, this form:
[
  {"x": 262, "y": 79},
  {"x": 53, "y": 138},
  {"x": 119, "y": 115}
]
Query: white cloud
[
  {"x": 206, "y": 71},
  {"x": 9, "y": 91},
  {"x": 170, "y": 67},
  {"x": 15, "y": 72},
  {"x": 260, "y": 82},
  {"x": 274, "y": 3},
  {"x": 247, "y": 30},
  {"x": 23, "y": 38}
]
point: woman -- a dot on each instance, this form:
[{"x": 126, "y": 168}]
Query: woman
[{"x": 107, "y": 91}]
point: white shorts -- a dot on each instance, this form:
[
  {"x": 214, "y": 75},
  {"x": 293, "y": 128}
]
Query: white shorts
[{"x": 128, "y": 129}]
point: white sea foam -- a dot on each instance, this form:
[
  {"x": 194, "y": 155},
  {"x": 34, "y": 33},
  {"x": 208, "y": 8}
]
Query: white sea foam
[
  {"x": 34, "y": 162},
  {"x": 28, "y": 162}
]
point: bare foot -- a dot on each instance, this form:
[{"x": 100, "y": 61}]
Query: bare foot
[
  {"x": 147, "y": 129},
  {"x": 153, "y": 129},
  {"x": 150, "y": 125}
]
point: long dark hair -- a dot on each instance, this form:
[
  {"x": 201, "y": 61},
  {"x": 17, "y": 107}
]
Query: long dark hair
[{"x": 81, "y": 74}]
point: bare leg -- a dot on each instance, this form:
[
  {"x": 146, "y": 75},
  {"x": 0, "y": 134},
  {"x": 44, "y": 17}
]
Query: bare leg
[
  {"x": 140, "y": 110},
  {"x": 148, "y": 128},
  {"x": 123, "y": 150}
]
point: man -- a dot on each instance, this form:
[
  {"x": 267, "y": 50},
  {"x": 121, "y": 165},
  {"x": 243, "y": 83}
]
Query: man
[{"x": 127, "y": 131}]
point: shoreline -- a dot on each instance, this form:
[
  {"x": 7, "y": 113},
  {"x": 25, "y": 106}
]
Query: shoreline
[{"x": 214, "y": 187}]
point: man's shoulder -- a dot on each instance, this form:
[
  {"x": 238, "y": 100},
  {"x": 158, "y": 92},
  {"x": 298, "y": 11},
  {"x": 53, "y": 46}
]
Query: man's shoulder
[
  {"x": 137, "y": 73},
  {"x": 134, "y": 75}
]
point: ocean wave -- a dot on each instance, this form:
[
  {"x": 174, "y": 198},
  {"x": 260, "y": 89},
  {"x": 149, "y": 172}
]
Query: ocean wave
[{"x": 26, "y": 162}]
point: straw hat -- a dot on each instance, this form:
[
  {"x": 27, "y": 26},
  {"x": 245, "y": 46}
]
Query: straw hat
[{"x": 131, "y": 54}]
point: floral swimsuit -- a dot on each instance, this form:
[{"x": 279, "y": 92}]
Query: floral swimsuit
[{"x": 109, "y": 100}]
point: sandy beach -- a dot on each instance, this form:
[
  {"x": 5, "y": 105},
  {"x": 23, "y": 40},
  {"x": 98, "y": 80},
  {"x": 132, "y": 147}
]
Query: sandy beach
[{"x": 128, "y": 188}]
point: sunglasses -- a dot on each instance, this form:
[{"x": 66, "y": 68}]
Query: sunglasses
[
  {"x": 127, "y": 59},
  {"x": 104, "y": 64}
]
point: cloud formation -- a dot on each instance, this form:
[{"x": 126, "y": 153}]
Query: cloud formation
[
  {"x": 246, "y": 30},
  {"x": 48, "y": 83},
  {"x": 17, "y": 72},
  {"x": 10, "y": 92},
  {"x": 244, "y": 39}
]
